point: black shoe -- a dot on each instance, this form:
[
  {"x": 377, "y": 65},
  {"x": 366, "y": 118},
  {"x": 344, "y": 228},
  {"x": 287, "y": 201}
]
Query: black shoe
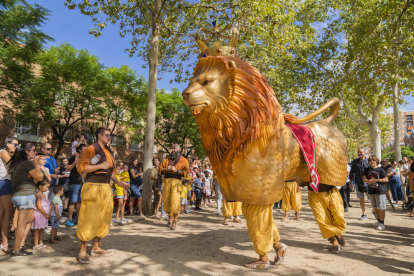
[
  {"x": 21, "y": 253},
  {"x": 345, "y": 209},
  {"x": 349, "y": 205}
]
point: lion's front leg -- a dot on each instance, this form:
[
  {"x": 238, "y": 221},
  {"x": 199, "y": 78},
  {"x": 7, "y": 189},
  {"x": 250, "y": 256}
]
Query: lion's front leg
[{"x": 263, "y": 233}]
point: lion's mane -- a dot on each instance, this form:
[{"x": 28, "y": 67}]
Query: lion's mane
[{"x": 247, "y": 117}]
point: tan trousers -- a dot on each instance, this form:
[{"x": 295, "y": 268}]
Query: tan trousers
[
  {"x": 231, "y": 209},
  {"x": 171, "y": 189},
  {"x": 328, "y": 209},
  {"x": 292, "y": 199},
  {"x": 261, "y": 226},
  {"x": 95, "y": 212}
]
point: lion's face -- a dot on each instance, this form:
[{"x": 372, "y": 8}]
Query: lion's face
[{"x": 205, "y": 91}]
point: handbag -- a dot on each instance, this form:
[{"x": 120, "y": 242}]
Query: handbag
[{"x": 362, "y": 189}]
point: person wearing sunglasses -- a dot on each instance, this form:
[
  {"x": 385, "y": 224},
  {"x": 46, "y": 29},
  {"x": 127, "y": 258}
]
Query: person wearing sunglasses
[
  {"x": 51, "y": 163},
  {"x": 6, "y": 205},
  {"x": 96, "y": 209}
]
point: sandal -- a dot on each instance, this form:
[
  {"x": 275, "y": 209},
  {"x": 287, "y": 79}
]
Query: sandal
[
  {"x": 38, "y": 248},
  {"x": 226, "y": 221},
  {"x": 335, "y": 248},
  {"x": 101, "y": 252},
  {"x": 173, "y": 225},
  {"x": 83, "y": 259},
  {"x": 57, "y": 238},
  {"x": 340, "y": 240},
  {"x": 8, "y": 250},
  {"x": 258, "y": 264},
  {"x": 45, "y": 246},
  {"x": 53, "y": 242},
  {"x": 284, "y": 219},
  {"x": 279, "y": 259},
  {"x": 237, "y": 220}
]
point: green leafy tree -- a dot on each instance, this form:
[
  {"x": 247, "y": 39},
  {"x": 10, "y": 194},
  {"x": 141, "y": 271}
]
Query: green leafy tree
[
  {"x": 64, "y": 93},
  {"x": 160, "y": 36},
  {"x": 369, "y": 44},
  {"x": 121, "y": 91},
  {"x": 390, "y": 155},
  {"x": 176, "y": 124},
  {"x": 20, "y": 42}
]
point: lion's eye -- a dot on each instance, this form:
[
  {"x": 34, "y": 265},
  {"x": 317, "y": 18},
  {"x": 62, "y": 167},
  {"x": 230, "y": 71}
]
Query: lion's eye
[{"x": 206, "y": 82}]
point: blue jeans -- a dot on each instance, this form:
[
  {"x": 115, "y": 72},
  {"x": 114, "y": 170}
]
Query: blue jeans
[
  {"x": 135, "y": 193},
  {"x": 6, "y": 187},
  {"x": 75, "y": 193},
  {"x": 219, "y": 199},
  {"x": 55, "y": 222},
  {"x": 396, "y": 189},
  {"x": 24, "y": 202},
  {"x": 162, "y": 206}
]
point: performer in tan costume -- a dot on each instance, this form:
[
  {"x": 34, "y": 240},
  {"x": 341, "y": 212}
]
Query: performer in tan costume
[
  {"x": 292, "y": 199},
  {"x": 95, "y": 215},
  {"x": 174, "y": 168},
  {"x": 231, "y": 210},
  {"x": 253, "y": 152}
]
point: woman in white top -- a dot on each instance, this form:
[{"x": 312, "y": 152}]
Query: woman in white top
[{"x": 6, "y": 205}]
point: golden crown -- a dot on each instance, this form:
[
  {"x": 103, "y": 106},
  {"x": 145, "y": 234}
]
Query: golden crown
[{"x": 218, "y": 49}]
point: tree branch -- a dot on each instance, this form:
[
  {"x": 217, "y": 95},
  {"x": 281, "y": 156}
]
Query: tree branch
[
  {"x": 361, "y": 112},
  {"x": 158, "y": 141},
  {"x": 361, "y": 122},
  {"x": 367, "y": 102}
]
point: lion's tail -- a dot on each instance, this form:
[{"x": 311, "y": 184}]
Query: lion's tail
[{"x": 291, "y": 119}]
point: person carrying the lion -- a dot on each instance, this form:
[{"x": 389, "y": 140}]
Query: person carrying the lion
[
  {"x": 231, "y": 210},
  {"x": 328, "y": 209},
  {"x": 292, "y": 199},
  {"x": 174, "y": 168}
]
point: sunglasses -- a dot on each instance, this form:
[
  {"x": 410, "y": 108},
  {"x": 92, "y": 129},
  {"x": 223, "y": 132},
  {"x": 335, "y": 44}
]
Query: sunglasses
[
  {"x": 48, "y": 148},
  {"x": 15, "y": 145}
]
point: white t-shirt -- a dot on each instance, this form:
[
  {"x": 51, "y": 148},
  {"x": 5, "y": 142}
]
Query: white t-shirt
[
  {"x": 3, "y": 169},
  {"x": 74, "y": 144},
  {"x": 211, "y": 173}
]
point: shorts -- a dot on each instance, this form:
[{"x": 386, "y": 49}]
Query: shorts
[
  {"x": 197, "y": 193},
  {"x": 54, "y": 221},
  {"x": 75, "y": 193},
  {"x": 120, "y": 196},
  {"x": 24, "y": 202},
  {"x": 188, "y": 193},
  {"x": 6, "y": 187},
  {"x": 386, "y": 185},
  {"x": 135, "y": 192},
  {"x": 378, "y": 201},
  {"x": 361, "y": 194},
  {"x": 183, "y": 201}
]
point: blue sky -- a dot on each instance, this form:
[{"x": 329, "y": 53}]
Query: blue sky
[{"x": 73, "y": 27}]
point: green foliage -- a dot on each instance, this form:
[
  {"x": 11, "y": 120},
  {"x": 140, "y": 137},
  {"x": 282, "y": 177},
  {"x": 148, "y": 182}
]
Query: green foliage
[
  {"x": 120, "y": 102},
  {"x": 389, "y": 154},
  {"x": 20, "y": 42},
  {"x": 175, "y": 124}
]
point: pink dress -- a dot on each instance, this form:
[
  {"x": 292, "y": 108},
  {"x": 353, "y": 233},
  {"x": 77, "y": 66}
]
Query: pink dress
[{"x": 40, "y": 221}]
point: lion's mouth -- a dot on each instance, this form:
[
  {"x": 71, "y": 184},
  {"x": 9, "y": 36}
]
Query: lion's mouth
[
  {"x": 196, "y": 108},
  {"x": 201, "y": 104}
]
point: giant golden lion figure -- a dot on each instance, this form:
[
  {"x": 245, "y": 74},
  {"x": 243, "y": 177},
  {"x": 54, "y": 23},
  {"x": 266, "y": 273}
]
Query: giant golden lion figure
[{"x": 243, "y": 132}]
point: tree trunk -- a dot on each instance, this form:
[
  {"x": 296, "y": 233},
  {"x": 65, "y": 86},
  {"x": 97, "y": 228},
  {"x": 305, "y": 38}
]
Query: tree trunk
[
  {"x": 375, "y": 134},
  {"x": 150, "y": 128},
  {"x": 397, "y": 129}
]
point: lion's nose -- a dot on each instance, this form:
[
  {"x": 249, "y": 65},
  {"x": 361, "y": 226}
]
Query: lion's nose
[{"x": 186, "y": 93}]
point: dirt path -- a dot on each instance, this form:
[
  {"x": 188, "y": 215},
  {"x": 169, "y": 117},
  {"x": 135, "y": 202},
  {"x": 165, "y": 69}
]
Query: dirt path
[{"x": 203, "y": 246}]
